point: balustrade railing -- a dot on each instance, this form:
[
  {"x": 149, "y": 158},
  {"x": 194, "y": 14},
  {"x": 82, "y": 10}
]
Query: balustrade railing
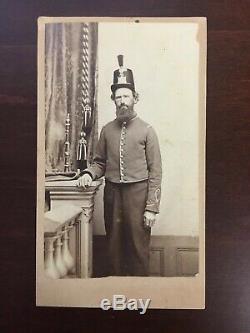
[{"x": 59, "y": 224}]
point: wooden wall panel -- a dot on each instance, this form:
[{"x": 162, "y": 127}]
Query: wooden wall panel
[
  {"x": 169, "y": 256},
  {"x": 174, "y": 256},
  {"x": 156, "y": 263},
  {"x": 187, "y": 261}
]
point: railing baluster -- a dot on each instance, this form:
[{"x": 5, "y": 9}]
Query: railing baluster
[
  {"x": 49, "y": 263},
  {"x": 60, "y": 265},
  {"x": 66, "y": 255}
]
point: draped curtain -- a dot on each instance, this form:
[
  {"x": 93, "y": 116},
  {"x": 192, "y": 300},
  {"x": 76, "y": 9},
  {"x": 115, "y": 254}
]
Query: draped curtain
[{"x": 64, "y": 68}]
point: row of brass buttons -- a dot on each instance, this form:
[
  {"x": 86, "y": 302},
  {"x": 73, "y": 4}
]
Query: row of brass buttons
[{"x": 123, "y": 133}]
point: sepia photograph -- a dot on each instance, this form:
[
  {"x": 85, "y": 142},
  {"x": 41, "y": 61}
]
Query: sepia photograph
[{"x": 121, "y": 161}]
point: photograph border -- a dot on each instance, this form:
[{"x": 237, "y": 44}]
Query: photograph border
[{"x": 179, "y": 292}]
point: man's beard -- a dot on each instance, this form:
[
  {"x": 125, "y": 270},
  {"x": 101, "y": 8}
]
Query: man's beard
[{"x": 125, "y": 113}]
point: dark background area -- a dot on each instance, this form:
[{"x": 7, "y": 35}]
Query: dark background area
[{"x": 227, "y": 171}]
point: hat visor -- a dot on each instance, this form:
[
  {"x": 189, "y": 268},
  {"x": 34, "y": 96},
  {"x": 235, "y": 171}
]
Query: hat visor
[{"x": 116, "y": 86}]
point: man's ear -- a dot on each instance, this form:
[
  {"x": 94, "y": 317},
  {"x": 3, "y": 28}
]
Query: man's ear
[{"x": 136, "y": 97}]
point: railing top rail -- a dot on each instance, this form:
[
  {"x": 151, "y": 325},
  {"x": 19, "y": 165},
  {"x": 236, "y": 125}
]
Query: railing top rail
[
  {"x": 57, "y": 217},
  {"x": 72, "y": 183}
]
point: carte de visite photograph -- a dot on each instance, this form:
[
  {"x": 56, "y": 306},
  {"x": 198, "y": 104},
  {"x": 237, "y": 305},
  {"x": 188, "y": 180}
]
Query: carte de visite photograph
[{"x": 121, "y": 161}]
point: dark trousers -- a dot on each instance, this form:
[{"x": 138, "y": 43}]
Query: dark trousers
[{"x": 128, "y": 239}]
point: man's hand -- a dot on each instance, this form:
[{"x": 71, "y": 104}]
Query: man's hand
[
  {"x": 84, "y": 181},
  {"x": 149, "y": 219}
]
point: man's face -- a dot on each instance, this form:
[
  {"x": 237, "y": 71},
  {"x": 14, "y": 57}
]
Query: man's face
[{"x": 124, "y": 101}]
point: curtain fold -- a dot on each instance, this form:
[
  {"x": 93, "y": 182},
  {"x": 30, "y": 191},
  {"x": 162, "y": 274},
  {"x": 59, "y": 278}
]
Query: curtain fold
[{"x": 64, "y": 48}]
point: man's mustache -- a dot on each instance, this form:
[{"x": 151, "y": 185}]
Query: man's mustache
[{"x": 123, "y": 107}]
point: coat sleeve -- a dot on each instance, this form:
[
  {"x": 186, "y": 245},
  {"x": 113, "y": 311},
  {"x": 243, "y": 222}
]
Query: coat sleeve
[
  {"x": 153, "y": 157},
  {"x": 98, "y": 167}
]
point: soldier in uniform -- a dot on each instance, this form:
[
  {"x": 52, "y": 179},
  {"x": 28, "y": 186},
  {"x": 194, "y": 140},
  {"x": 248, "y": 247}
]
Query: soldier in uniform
[{"x": 128, "y": 154}]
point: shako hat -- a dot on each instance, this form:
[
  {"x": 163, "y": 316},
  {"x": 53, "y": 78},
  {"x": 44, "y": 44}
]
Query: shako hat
[{"x": 123, "y": 77}]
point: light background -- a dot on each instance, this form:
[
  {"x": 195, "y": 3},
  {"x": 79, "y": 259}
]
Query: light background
[{"x": 164, "y": 58}]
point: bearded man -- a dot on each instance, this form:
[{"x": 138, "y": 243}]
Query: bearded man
[{"x": 128, "y": 155}]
